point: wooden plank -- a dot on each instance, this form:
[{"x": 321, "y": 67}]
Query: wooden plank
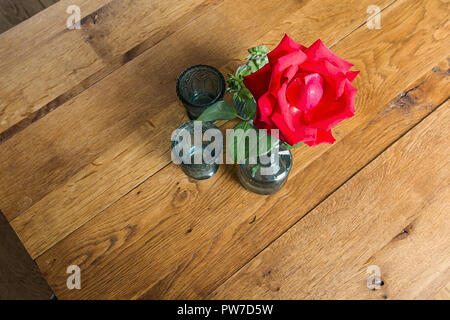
[
  {"x": 47, "y": 70},
  {"x": 444, "y": 294},
  {"x": 176, "y": 230},
  {"x": 19, "y": 275},
  {"x": 26, "y": 84},
  {"x": 13, "y": 12},
  {"x": 44, "y": 26},
  {"x": 394, "y": 214},
  {"x": 144, "y": 89}
]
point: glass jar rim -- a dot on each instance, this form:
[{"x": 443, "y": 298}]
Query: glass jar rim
[{"x": 204, "y": 66}]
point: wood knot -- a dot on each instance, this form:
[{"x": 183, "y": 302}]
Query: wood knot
[
  {"x": 404, "y": 233},
  {"x": 180, "y": 197},
  {"x": 267, "y": 274}
]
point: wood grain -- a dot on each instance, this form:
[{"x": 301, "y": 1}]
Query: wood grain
[
  {"x": 20, "y": 278},
  {"x": 177, "y": 231},
  {"x": 33, "y": 72},
  {"x": 394, "y": 214},
  {"x": 143, "y": 89},
  {"x": 34, "y": 84},
  {"x": 444, "y": 294},
  {"x": 13, "y": 12}
]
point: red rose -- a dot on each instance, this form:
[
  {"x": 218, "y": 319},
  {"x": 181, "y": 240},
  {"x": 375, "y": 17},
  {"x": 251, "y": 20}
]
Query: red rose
[{"x": 303, "y": 92}]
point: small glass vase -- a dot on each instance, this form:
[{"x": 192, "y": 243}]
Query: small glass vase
[
  {"x": 267, "y": 176},
  {"x": 199, "y": 87},
  {"x": 205, "y": 169}
]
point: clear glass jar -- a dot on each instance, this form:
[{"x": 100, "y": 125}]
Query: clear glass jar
[
  {"x": 204, "y": 169},
  {"x": 199, "y": 87},
  {"x": 269, "y": 174}
]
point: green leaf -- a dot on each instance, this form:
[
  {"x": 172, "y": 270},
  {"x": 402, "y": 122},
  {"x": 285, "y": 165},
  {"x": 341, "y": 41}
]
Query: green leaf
[
  {"x": 255, "y": 61},
  {"x": 221, "y": 110},
  {"x": 259, "y": 50},
  {"x": 241, "y": 140},
  {"x": 250, "y": 108},
  {"x": 253, "y": 66},
  {"x": 289, "y": 147}
]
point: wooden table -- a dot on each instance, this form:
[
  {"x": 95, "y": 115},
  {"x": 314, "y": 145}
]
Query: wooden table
[{"x": 86, "y": 178}]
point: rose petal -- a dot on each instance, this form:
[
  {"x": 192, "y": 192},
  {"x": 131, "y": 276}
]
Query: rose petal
[
  {"x": 318, "y": 51},
  {"x": 262, "y": 125},
  {"x": 285, "y": 63},
  {"x": 265, "y": 108},
  {"x": 306, "y": 91},
  {"x": 258, "y": 82},
  {"x": 299, "y": 134},
  {"x": 322, "y": 137},
  {"x": 334, "y": 78},
  {"x": 286, "y": 46},
  {"x": 351, "y": 75},
  {"x": 290, "y": 73},
  {"x": 263, "y": 113},
  {"x": 289, "y": 114},
  {"x": 329, "y": 113}
]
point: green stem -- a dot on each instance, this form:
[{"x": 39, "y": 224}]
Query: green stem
[
  {"x": 239, "y": 117},
  {"x": 254, "y": 169}
]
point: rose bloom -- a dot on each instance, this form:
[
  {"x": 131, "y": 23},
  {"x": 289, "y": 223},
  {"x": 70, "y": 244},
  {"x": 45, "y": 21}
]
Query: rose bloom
[{"x": 303, "y": 92}]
